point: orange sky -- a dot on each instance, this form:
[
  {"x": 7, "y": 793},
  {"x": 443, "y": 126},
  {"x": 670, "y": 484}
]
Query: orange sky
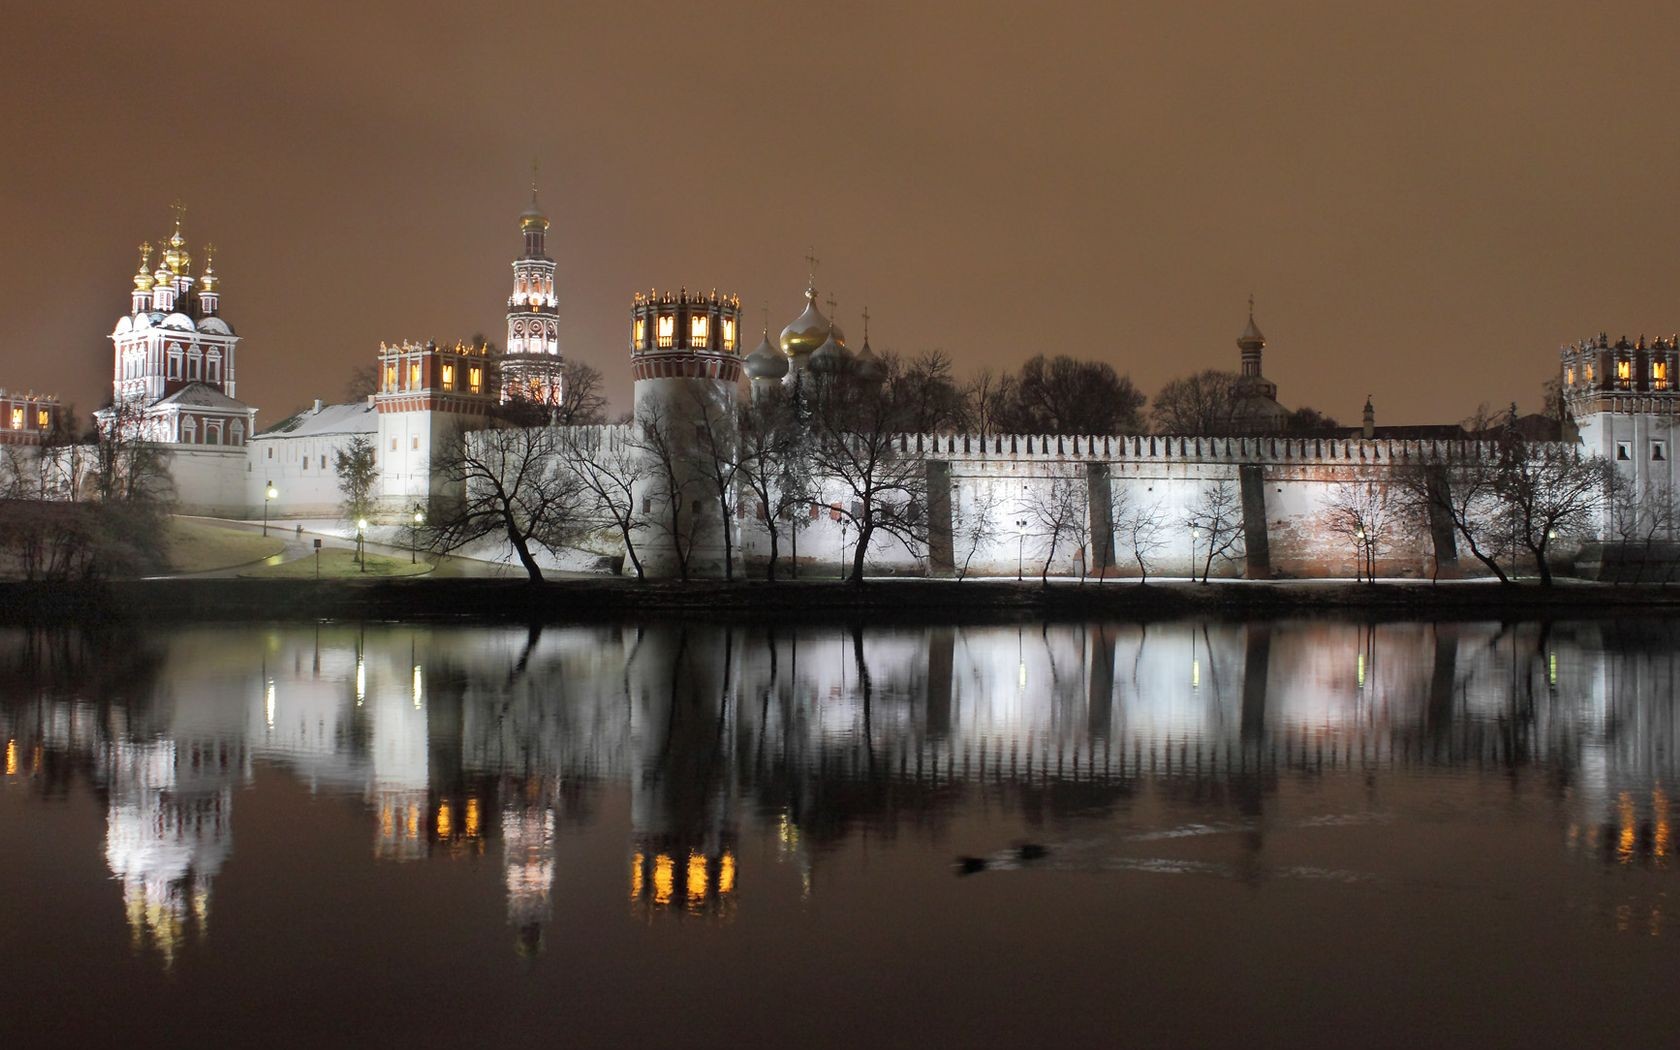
[{"x": 1425, "y": 199}]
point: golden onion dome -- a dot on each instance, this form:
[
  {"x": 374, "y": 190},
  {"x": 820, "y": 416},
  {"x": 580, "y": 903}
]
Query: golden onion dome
[
  {"x": 806, "y": 332},
  {"x": 143, "y": 278}
]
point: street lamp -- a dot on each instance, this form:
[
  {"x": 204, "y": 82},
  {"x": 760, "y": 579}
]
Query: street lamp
[
  {"x": 414, "y": 535},
  {"x": 843, "y": 523},
  {"x": 361, "y": 550},
  {"x": 268, "y": 495},
  {"x": 1020, "y": 546},
  {"x": 1359, "y": 534}
]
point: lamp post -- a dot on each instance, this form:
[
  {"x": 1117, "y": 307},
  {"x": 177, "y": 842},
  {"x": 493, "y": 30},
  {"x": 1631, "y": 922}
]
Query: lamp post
[
  {"x": 361, "y": 550},
  {"x": 1020, "y": 547},
  {"x": 414, "y": 535},
  {"x": 1359, "y": 534},
  {"x": 843, "y": 523},
  {"x": 269, "y": 492}
]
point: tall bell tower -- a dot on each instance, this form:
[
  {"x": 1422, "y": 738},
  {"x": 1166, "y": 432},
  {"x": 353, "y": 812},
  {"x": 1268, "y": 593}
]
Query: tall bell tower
[{"x": 531, "y": 364}]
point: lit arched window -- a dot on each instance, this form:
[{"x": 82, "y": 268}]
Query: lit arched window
[
  {"x": 699, "y": 326},
  {"x": 729, "y": 333},
  {"x": 1659, "y": 374},
  {"x": 667, "y": 333},
  {"x": 638, "y": 331},
  {"x": 475, "y": 379},
  {"x": 449, "y": 377}
]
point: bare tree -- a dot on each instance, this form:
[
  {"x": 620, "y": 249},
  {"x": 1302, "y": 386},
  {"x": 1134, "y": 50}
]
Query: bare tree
[
  {"x": 130, "y": 466},
  {"x": 1062, "y": 395},
  {"x": 1141, "y": 526},
  {"x": 716, "y": 457},
  {"x": 858, "y": 447},
  {"x": 1216, "y": 517},
  {"x": 987, "y": 395},
  {"x": 1057, "y": 515},
  {"x": 1639, "y": 518},
  {"x": 1549, "y": 492},
  {"x": 582, "y": 402},
  {"x": 1194, "y": 405},
  {"x": 673, "y": 492},
  {"x": 974, "y": 524},
  {"x": 609, "y": 469},
  {"x": 1365, "y": 514},
  {"x": 1463, "y": 492},
  {"x": 772, "y": 466},
  {"x": 509, "y": 481},
  {"x": 363, "y": 382},
  {"x": 934, "y": 403}
]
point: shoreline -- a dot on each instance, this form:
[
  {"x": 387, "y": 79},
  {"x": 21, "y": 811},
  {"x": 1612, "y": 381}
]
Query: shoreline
[{"x": 489, "y": 600}]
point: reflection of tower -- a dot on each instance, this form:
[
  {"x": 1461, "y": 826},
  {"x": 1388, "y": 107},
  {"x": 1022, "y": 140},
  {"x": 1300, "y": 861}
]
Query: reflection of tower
[
  {"x": 682, "y": 788},
  {"x": 528, "y": 867},
  {"x": 168, "y": 832},
  {"x": 396, "y": 716}
]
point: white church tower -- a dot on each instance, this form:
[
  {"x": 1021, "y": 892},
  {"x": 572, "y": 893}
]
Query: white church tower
[{"x": 531, "y": 365}]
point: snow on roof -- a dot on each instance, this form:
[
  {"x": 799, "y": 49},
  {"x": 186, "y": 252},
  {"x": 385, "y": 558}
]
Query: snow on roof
[
  {"x": 198, "y": 395},
  {"x": 354, "y": 417}
]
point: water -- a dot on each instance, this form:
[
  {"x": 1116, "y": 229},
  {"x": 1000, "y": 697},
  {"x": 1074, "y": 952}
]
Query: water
[{"x": 1288, "y": 834}]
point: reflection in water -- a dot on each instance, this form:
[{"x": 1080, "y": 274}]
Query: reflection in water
[{"x": 455, "y": 738}]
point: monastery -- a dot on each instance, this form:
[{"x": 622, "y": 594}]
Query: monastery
[{"x": 175, "y": 373}]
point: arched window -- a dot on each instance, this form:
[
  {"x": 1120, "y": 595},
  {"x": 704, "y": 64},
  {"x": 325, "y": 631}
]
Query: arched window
[
  {"x": 236, "y": 433},
  {"x": 195, "y": 358},
  {"x": 212, "y": 433},
  {"x": 213, "y": 366},
  {"x": 189, "y": 431}
]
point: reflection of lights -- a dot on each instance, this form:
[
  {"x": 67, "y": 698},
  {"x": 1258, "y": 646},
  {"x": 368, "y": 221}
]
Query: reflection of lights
[
  {"x": 636, "y": 877},
  {"x": 1625, "y": 839},
  {"x": 696, "y": 877},
  {"x": 1196, "y": 673},
  {"x": 445, "y": 820},
  {"x": 1361, "y": 670},
  {"x": 417, "y": 687},
  {"x": 1659, "y": 810},
  {"x": 1023, "y": 675},
  {"x": 361, "y": 680},
  {"x": 787, "y": 833},
  {"x": 472, "y": 818},
  {"x": 268, "y": 703},
  {"x": 726, "y": 874},
  {"x": 11, "y": 758},
  {"x": 1551, "y": 667},
  {"x": 412, "y": 831},
  {"x": 664, "y": 878}
]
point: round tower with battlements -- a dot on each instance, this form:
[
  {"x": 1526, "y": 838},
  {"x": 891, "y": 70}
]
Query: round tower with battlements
[{"x": 685, "y": 358}]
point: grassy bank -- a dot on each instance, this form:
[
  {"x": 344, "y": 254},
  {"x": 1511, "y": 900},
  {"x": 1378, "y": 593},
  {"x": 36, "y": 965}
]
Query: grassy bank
[
  {"x": 198, "y": 546},
  {"x": 501, "y": 600}
]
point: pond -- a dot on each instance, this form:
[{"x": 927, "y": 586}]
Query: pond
[{"x": 1203, "y": 833}]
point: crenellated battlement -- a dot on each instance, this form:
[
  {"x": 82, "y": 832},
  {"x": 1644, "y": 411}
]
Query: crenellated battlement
[{"x": 1182, "y": 449}]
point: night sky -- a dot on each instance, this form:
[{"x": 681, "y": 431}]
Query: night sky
[{"x": 1426, "y": 200}]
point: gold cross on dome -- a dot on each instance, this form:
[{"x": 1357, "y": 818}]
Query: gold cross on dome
[
  {"x": 811, "y": 266},
  {"x": 866, "y": 324}
]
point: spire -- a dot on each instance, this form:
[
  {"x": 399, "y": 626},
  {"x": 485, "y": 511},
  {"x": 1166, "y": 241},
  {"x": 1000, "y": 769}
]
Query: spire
[
  {"x": 811, "y": 275},
  {"x": 207, "y": 283}
]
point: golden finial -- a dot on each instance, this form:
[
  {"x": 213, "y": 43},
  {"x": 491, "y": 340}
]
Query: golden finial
[
  {"x": 145, "y": 256},
  {"x": 811, "y": 274},
  {"x": 1251, "y": 306}
]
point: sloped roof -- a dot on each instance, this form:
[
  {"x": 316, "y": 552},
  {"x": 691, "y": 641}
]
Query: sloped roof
[
  {"x": 354, "y": 417},
  {"x": 200, "y": 395}
]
